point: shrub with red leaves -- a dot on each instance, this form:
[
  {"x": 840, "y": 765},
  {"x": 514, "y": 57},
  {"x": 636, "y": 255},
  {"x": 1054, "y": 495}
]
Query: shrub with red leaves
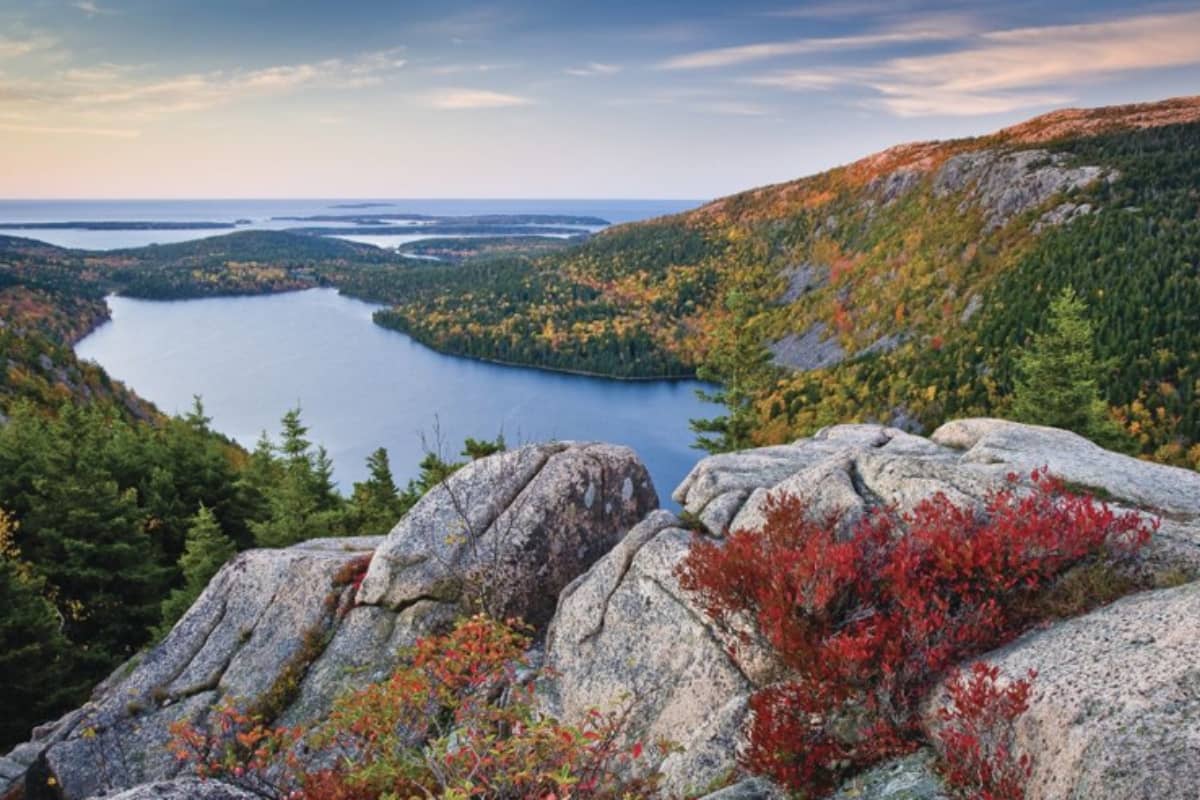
[
  {"x": 976, "y": 734},
  {"x": 868, "y": 621},
  {"x": 458, "y": 722}
]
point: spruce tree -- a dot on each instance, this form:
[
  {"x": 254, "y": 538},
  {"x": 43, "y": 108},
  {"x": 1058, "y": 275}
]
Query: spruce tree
[
  {"x": 376, "y": 505},
  {"x": 89, "y": 539},
  {"x": 205, "y": 552},
  {"x": 381, "y": 481},
  {"x": 476, "y": 449},
  {"x": 301, "y": 503},
  {"x": 34, "y": 656},
  {"x": 1058, "y": 376}
]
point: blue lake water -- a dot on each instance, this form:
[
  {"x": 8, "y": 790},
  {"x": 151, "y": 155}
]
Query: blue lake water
[
  {"x": 361, "y": 386},
  {"x": 260, "y": 213}
]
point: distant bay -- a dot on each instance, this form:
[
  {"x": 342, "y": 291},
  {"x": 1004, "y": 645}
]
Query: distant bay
[{"x": 271, "y": 215}]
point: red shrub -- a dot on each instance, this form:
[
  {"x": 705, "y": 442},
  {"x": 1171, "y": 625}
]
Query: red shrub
[
  {"x": 353, "y": 572},
  {"x": 977, "y": 731},
  {"x": 459, "y": 721},
  {"x": 870, "y": 620}
]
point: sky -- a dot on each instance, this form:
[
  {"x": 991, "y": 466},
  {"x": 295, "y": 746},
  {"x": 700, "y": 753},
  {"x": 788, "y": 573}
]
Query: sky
[{"x": 570, "y": 98}]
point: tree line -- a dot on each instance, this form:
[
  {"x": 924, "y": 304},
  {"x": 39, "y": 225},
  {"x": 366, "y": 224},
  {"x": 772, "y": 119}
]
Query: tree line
[{"x": 110, "y": 529}]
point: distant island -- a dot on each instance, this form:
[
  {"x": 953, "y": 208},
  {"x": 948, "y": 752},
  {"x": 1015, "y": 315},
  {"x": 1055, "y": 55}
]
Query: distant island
[
  {"x": 363, "y": 205},
  {"x": 442, "y": 229},
  {"x": 115, "y": 225},
  {"x": 475, "y": 219}
]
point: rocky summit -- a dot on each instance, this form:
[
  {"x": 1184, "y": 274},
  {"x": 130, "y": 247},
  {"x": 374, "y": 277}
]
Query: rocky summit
[
  {"x": 287, "y": 630},
  {"x": 569, "y": 536}
]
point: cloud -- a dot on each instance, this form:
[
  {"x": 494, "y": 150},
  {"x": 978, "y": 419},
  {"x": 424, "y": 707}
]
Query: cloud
[
  {"x": 1001, "y": 71},
  {"x": 801, "y": 80},
  {"x": 110, "y": 100},
  {"x": 91, "y": 8},
  {"x": 1015, "y": 59},
  {"x": 119, "y": 90},
  {"x": 70, "y": 130},
  {"x": 939, "y": 29},
  {"x": 15, "y": 48},
  {"x": 844, "y": 9},
  {"x": 732, "y": 108},
  {"x": 459, "y": 69},
  {"x": 594, "y": 68},
  {"x": 471, "y": 25},
  {"x": 465, "y": 99}
]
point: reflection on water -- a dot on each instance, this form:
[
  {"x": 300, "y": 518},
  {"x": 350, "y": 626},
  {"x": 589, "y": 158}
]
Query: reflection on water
[{"x": 361, "y": 386}]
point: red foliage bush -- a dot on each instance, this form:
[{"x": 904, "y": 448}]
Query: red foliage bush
[
  {"x": 353, "y": 572},
  {"x": 459, "y": 722},
  {"x": 868, "y": 621},
  {"x": 976, "y": 732}
]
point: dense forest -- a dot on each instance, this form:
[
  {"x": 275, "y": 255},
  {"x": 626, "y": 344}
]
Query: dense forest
[
  {"x": 110, "y": 528},
  {"x": 956, "y": 326},
  {"x": 621, "y": 304},
  {"x": 923, "y": 288}
]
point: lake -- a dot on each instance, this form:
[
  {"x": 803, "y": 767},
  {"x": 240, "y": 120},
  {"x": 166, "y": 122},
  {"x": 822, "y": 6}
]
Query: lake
[{"x": 361, "y": 386}]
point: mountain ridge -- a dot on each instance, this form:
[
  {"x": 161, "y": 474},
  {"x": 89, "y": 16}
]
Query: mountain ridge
[
  {"x": 925, "y": 156},
  {"x": 915, "y": 274}
]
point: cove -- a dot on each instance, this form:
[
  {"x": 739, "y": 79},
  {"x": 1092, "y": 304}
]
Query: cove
[{"x": 361, "y": 386}]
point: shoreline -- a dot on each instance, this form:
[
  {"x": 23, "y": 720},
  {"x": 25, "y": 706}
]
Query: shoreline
[{"x": 582, "y": 373}]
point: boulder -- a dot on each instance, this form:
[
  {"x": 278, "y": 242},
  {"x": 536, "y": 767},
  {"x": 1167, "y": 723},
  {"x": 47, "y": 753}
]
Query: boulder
[
  {"x": 749, "y": 789},
  {"x": 909, "y": 778},
  {"x": 184, "y": 789},
  {"x": 627, "y": 632},
  {"x": 1115, "y": 707},
  {"x": 286, "y": 631},
  {"x": 848, "y": 468},
  {"x": 516, "y": 527}
]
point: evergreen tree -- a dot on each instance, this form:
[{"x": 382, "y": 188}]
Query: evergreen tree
[
  {"x": 324, "y": 491},
  {"x": 300, "y": 502},
  {"x": 381, "y": 480},
  {"x": 1058, "y": 382},
  {"x": 476, "y": 449},
  {"x": 294, "y": 447},
  {"x": 258, "y": 479},
  {"x": 739, "y": 363},
  {"x": 88, "y": 537},
  {"x": 34, "y": 656},
  {"x": 206, "y": 551},
  {"x": 376, "y": 504}
]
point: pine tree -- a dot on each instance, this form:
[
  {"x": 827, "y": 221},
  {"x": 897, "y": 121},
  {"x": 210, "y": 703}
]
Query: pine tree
[
  {"x": 89, "y": 539},
  {"x": 300, "y": 502},
  {"x": 324, "y": 490},
  {"x": 381, "y": 480},
  {"x": 476, "y": 449},
  {"x": 376, "y": 505},
  {"x": 294, "y": 447},
  {"x": 1058, "y": 381},
  {"x": 34, "y": 656},
  {"x": 206, "y": 551},
  {"x": 258, "y": 479}
]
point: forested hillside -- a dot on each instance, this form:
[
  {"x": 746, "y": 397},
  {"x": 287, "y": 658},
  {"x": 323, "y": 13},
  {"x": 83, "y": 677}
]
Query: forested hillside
[
  {"x": 113, "y": 517},
  {"x": 898, "y": 288}
]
